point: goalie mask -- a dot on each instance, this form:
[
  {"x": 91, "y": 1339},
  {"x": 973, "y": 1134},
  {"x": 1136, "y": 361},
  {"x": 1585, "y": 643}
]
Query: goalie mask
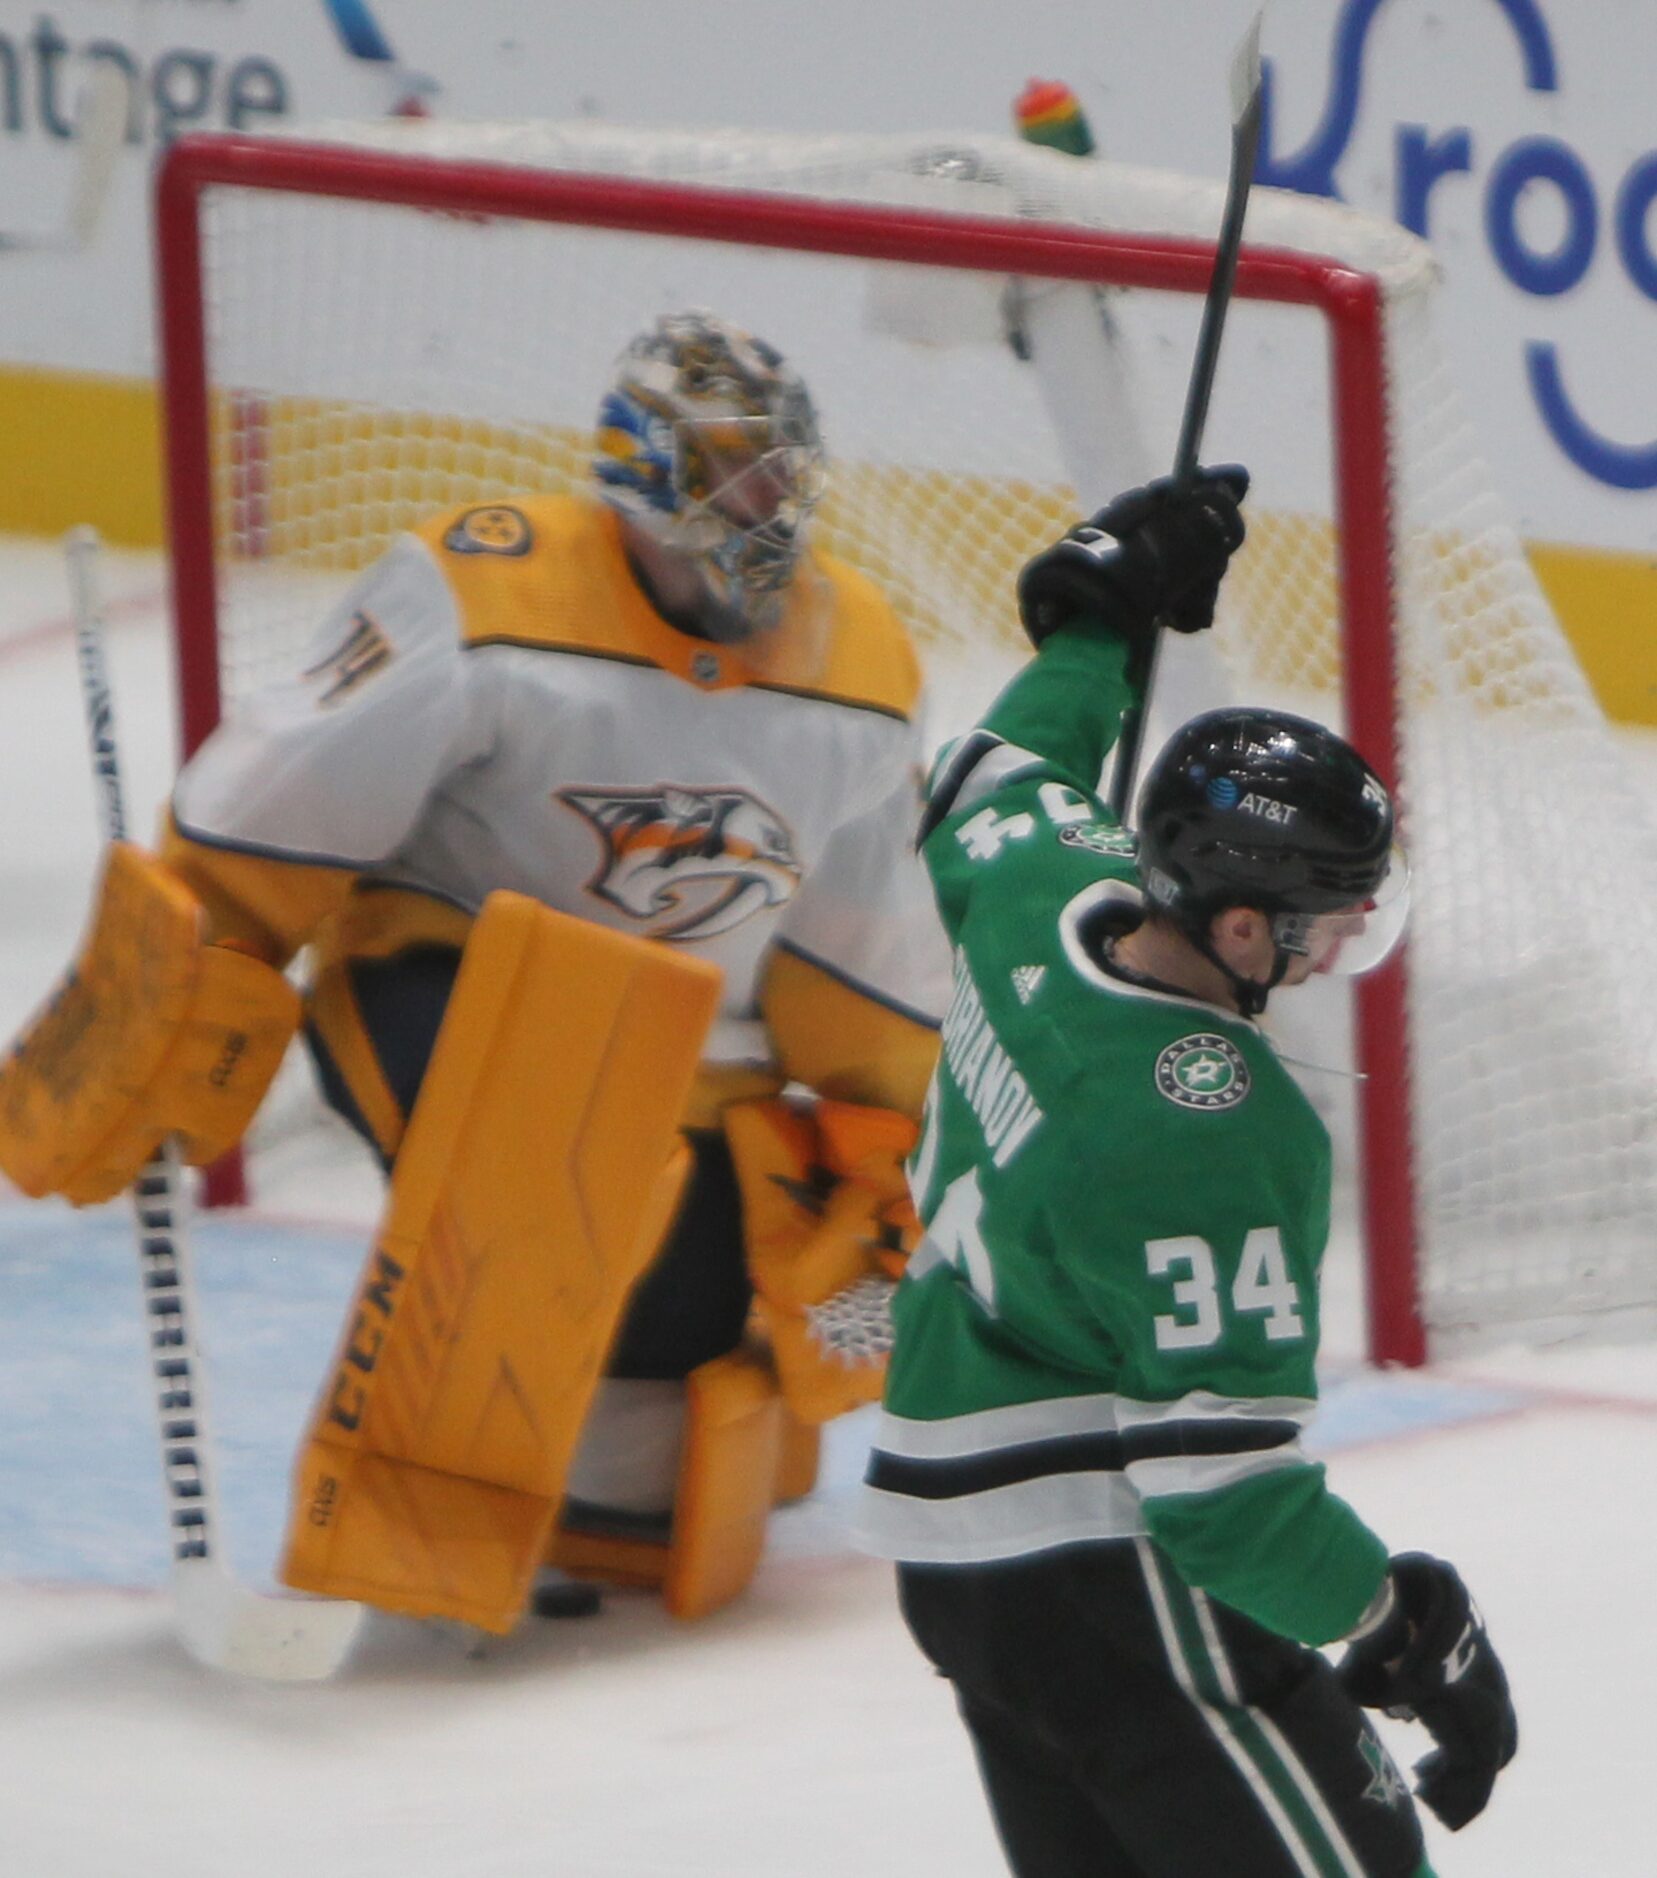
[
  {"x": 1263, "y": 809},
  {"x": 709, "y": 440}
]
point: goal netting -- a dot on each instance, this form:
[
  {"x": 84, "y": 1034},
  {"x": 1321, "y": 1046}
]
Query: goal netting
[{"x": 363, "y": 323}]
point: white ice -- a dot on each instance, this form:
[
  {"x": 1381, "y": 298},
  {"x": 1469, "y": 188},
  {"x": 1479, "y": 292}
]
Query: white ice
[{"x": 796, "y": 1734}]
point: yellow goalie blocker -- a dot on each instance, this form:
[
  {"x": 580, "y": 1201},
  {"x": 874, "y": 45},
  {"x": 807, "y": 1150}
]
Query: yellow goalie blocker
[
  {"x": 540, "y": 1170},
  {"x": 152, "y": 1033},
  {"x": 829, "y": 1225}
]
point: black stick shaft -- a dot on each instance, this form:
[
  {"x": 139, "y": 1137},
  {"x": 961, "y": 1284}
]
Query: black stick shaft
[
  {"x": 162, "y": 1254},
  {"x": 1245, "y": 144}
]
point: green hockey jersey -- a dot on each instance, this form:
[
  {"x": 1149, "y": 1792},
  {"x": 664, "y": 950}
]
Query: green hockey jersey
[{"x": 1108, "y": 1330}]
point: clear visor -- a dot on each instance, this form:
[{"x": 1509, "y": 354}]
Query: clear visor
[
  {"x": 740, "y": 469},
  {"x": 1352, "y": 940}
]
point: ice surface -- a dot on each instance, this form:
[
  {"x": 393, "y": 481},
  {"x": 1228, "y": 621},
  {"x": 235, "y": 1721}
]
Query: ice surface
[{"x": 794, "y": 1735}]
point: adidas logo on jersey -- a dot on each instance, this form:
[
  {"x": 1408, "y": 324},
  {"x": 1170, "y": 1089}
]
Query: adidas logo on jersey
[{"x": 1027, "y": 981}]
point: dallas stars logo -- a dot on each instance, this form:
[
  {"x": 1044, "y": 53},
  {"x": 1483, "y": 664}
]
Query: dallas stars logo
[
  {"x": 1204, "y": 1071},
  {"x": 1386, "y": 1785},
  {"x": 1100, "y": 838}
]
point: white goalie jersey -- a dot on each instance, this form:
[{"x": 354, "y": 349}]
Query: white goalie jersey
[{"x": 494, "y": 704}]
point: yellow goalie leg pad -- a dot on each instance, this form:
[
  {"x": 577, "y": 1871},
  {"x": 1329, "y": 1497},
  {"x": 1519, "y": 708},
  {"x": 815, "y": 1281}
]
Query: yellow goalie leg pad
[
  {"x": 727, "y": 1482},
  {"x": 728, "y": 1479},
  {"x": 802, "y": 1452},
  {"x": 152, "y": 1033},
  {"x": 539, "y": 1172}
]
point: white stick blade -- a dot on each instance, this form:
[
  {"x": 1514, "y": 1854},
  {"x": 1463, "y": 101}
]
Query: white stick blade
[
  {"x": 101, "y": 127},
  {"x": 1245, "y": 69},
  {"x": 274, "y": 1638},
  {"x": 82, "y": 550}
]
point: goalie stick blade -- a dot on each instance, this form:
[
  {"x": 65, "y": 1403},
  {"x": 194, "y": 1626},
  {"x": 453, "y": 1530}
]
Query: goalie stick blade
[
  {"x": 100, "y": 130},
  {"x": 273, "y": 1638}
]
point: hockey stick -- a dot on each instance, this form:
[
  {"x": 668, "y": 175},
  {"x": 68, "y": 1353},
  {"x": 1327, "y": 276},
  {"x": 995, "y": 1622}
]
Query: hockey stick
[
  {"x": 223, "y": 1624},
  {"x": 100, "y": 125},
  {"x": 1245, "y": 142}
]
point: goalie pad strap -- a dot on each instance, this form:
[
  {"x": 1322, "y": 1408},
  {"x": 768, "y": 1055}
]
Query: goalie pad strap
[
  {"x": 540, "y": 1168},
  {"x": 151, "y": 1033}
]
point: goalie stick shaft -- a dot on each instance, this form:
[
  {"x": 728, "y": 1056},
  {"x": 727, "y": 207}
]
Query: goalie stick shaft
[
  {"x": 1245, "y": 144},
  {"x": 163, "y": 1263},
  {"x": 223, "y": 1624}
]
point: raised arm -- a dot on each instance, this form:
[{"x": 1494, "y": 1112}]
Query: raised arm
[{"x": 1092, "y": 605}]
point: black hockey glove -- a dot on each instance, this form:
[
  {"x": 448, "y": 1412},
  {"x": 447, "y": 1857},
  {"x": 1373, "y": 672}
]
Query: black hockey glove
[
  {"x": 1432, "y": 1661},
  {"x": 1153, "y": 557}
]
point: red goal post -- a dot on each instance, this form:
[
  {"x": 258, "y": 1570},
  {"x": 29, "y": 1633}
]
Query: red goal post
[{"x": 223, "y": 489}]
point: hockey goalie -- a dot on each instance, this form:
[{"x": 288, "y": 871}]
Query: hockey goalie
[{"x": 595, "y": 814}]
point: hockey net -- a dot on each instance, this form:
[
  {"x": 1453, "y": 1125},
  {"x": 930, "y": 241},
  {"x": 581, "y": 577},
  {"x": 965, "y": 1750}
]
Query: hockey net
[{"x": 365, "y": 323}]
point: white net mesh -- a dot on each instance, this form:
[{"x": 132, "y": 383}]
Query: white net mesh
[
  {"x": 369, "y": 363},
  {"x": 1534, "y": 1033}
]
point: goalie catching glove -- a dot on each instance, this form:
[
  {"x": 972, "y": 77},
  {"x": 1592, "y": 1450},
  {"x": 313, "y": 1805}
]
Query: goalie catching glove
[
  {"x": 1430, "y": 1659},
  {"x": 828, "y": 1224},
  {"x": 1152, "y": 557},
  {"x": 152, "y": 1033}
]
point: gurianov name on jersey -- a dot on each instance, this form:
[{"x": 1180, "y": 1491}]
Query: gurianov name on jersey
[{"x": 983, "y": 1071}]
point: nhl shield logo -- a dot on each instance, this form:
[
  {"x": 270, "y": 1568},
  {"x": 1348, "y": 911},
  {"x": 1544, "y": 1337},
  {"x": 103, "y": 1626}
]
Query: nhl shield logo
[
  {"x": 688, "y": 863},
  {"x": 1203, "y": 1071}
]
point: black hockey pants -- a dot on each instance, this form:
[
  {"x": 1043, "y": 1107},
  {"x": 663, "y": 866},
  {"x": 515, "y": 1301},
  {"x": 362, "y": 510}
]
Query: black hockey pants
[
  {"x": 1127, "y": 1727},
  {"x": 692, "y": 1304}
]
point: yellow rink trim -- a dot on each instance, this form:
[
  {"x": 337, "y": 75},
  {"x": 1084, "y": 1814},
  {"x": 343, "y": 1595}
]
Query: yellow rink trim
[
  {"x": 1607, "y": 603},
  {"x": 340, "y": 480},
  {"x": 80, "y": 449}
]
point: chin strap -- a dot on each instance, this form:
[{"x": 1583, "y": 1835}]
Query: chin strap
[{"x": 1250, "y": 994}]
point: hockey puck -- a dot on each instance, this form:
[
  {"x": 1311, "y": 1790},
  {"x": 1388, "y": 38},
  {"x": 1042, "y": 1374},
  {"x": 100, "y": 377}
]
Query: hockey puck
[{"x": 566, "y": 1597}]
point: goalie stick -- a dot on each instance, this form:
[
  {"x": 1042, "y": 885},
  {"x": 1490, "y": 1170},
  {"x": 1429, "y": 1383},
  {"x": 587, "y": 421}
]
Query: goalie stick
[
  {"x": 1245, "y": 143},
  {"x": 100, "y": 125},
  {"x": 224, "y": 1624}
]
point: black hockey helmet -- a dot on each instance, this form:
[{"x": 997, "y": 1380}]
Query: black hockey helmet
[{"x": 1250, "y": 807}]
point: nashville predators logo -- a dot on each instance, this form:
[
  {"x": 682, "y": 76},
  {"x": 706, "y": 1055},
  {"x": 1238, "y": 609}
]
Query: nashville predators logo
[
  {"x": 496, "y": 529},
  {"x": 688, "y": 863}
]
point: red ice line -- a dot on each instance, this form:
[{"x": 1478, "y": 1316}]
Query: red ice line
[{"x": 62, "y": 625}]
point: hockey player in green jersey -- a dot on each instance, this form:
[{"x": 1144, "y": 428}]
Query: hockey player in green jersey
[{"x": 1089, "y": 1464}]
